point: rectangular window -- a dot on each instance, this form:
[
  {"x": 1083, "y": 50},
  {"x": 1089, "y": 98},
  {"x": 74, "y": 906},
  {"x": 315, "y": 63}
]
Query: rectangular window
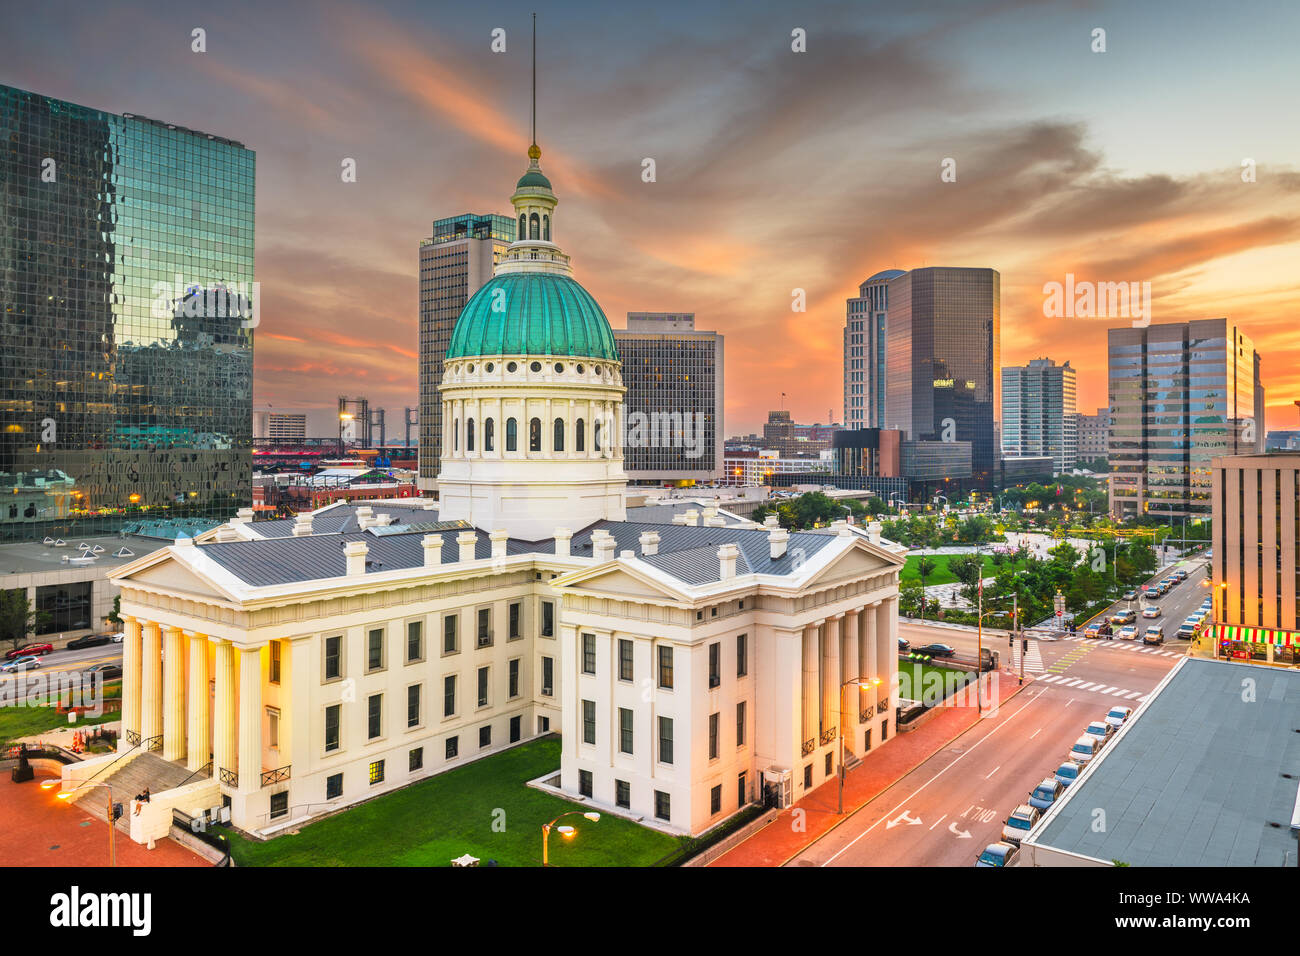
[
  {"x": 415, "y": 760},
  {"x": 584, "y": 783},
  {"x": 333, "y": 716},
  {"x": 485, "y": 736},
  {"x": 589, "y": 722},
  {"x": 453, "y": 747},
  {"x": 515, "y": 632},
  {"x": 622, "y": 794},
  {"x": 624, "y": 730},
  {"x": 333, "y": 786},
  {"x": 375, "y": 650},
  {"x": 740, "y": 724},
  {"x": 485, "y": 627},
  {"x": 624, "y": 660},
  {"x": 279, "y": 804},
  {"x": 413, "y": 705},
  {"x": 273, "y": 726},
  {"x": 884, "y": 730},
  {"x": 548, "y": 619},
  {"x": 830, "y": 767},
  {"x": 715, "y": 799},
  {"x": 663, "y": 806},
  {"x": 514, "y": 678},
  {"x": 666, "y": 666},
  {"x": 274, "y": 676},
  {"x": 376, "y": 772},
  {"x": 866, "y": 743},
  {"x": 665, "y": 740},
  {"x": 742, "y": 655},
  {"x": 450, "y": 634},
  {"x": 589, "y": 653},
  {"x": 449, "y": 696},
  {"x": 333, "y": 657},
  {"x": 548, "y": 676},
  {"x": 414, "y": 641},
  {"x": 715, "y": 664},
  {"x": 375, "y": 715},
  {"x": 516, "y": 729},
  {"x": 713, "y": 736},
  {"x": 807, "y": 776},
  {"x": 742, "y": 797},
  {"x": 482, "y": 686}
]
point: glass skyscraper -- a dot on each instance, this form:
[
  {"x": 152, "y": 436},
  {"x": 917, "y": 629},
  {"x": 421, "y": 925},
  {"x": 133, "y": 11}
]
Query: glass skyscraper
[
  {"x": 127, "y": 308},
  {"x": 865, "y": 347}
]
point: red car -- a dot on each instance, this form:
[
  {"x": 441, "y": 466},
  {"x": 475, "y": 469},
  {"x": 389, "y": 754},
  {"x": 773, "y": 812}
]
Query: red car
[{"x": 36, "y": 649}]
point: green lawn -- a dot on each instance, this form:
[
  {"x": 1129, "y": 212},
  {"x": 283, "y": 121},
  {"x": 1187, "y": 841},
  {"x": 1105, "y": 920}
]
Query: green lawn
[
  {"x": 431, "y": 822},
  {"x": 941, "y": 574},
  {"x": 917, "y": 681},
  {"x": 16, "y": 722}
]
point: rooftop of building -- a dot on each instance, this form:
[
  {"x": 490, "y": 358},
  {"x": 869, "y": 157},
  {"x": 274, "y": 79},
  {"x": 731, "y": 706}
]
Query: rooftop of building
[
  {"x": 1204, "y": 775},
  {"x": 38, "y": 557}
]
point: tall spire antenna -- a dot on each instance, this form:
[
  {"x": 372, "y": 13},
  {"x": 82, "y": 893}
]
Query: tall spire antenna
[{"x": 534, "y": 112}]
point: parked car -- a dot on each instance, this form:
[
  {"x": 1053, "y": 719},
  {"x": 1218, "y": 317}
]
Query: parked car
[
  {"x": 90, "y": 640},
  {"x": 1019, "y": 824},
  {"x": 1179, "y": 575},
  {"x": 1130, "y": 595},
  {"x": 29, "y": 650},
  {"x": 1117, "y": 715},
  {"x": 117, "y": 638},
  {"x": 1045, "y": 793},
  {"x": 903, "y": 645},
  {"x": 998, "y": 854},
  {"x": 1100, "y": 730},
  {"x": 1128, "y": 633},
  {"x": 1084, "y": 749},
  {"x": 1154, "y": 635},
  {"x": 1068, "y": 772},
  {"x": 1151, "y": 610},
  {"x": 1155, "y": 591},
  {"x": 29, "y": 662},
  {"x": 106, "y": 672},
  {"x": 1124, "y": 616},
  {"x": 936, "y": 650},
  {"x": 1186, "y": 629}
]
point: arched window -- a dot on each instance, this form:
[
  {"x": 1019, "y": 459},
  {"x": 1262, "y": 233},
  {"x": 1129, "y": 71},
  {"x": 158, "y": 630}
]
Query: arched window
[
  {"x": 546, "y": 228},
  {"x": 559, "y": 435},
  {"x": 535, "y": 434},
  {"x": 595, "y": 435},
  {"x": 455, "y": 434},
  {"x": 579, "y": 435},
  {"x": 469, "y": 434},
  {"x": 534, "y": 227},
  {"x": 523, "y": 226},
  {"x": 512, "y": 435},
  {"x": 489, "y": 435}
]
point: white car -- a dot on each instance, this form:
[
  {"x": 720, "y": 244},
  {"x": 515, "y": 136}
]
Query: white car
[
  {"x": 1100, "y": 730},
  {"x": 1128, "y": 633},
  {"x": 1084, "y": 749},
  {"x": 1117, "y": 715},
  {"x": 1151, "y": 610},
  {"x": 1019, "y": 824}
]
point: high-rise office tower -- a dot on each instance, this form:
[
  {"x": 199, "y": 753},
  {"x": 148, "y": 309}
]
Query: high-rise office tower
[
  {"x": 942, "y": 360},
  {"x": 1181, "y": 394},
  {"x": 864, "y": 352},
  {"x": 673, "y": 406},
  {"x": 280, "y": 426},
  {"x": 127, "y": 308},
  {"x": 455, "y": 262},
  {"x": 1038, "y": 412},
  {"x": 1093, "y": 432}
]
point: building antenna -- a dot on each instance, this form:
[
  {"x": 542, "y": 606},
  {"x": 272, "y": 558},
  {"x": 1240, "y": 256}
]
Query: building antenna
[{"x": 533, "y": 123}]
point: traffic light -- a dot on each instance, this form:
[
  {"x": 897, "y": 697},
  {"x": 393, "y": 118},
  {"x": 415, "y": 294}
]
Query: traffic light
[{"x": 1024, "y": 645}]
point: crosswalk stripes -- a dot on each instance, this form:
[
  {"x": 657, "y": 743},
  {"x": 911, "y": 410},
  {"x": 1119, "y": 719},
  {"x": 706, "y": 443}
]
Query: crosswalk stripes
[
  {"x": 1106, "y": 690},
  {"x": 1121, "y": 645},
  {"x": 1033, "y": 659}
]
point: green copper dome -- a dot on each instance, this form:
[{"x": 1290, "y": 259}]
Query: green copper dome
[
  {"x": 541, "y": 313},
  {"x": 533, "y": 177}
]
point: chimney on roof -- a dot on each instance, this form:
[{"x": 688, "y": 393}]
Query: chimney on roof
[
  {"x": 432, "y": 550},
  {"x": 710, "y": 511},
  {"x": 873, "y": 532},
  {"x": 602, "y": 546},
  {"x": 465, "y": 541},
  {"x": 242, "y": 516},
  {"x": 727, "y": 555},
  {"x": 185, "y": 541},
  {"x": 499, "y": 539},
  {"x": 383, "y": 521},
  {"x": 649, "y": 542},
  {"x": 563, "y": 542},
  {"x": 716, "y": 521},
  {"x": 354, "y": 553},
  {"x": 772, "y": 521},
  {"x": 777, "y": 540},
  {"x": 302, "y": 524},
  {"x": 692, "y": 517},
  {"x": 838, "y": 525}
]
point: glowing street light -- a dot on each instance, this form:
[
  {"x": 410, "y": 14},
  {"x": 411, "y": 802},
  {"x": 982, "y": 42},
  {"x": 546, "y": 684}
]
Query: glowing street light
[{"x": 564, "y": 830}]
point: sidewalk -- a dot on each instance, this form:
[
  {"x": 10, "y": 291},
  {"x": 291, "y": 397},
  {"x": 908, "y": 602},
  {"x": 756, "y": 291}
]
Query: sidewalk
[{"x": 778, "y": 842}]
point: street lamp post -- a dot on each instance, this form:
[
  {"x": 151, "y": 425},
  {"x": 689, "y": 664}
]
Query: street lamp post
[
  {"x": 566, "y": 831},
  {"x": 859, "y": 681},
  {"x": 108, "y": 813}
]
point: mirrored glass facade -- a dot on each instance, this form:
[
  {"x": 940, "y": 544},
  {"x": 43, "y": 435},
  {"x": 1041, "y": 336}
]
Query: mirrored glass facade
[{"x": 127, "y": 309}]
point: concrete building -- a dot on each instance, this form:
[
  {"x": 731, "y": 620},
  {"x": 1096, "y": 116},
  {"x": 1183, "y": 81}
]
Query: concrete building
[
  {"x": 455, "y": 262},
  {"x": 297, "y": 666},
  {"x": 673, "y": 408},
  {"x": 1255, "y": 513},
  {"x": 764, "y": 466},
  {"x": 1093, "y": 432},
  {"x": 1181, "y": 394},
  {"x": 865, "y": 346},
  {"x": 943, "y": 353},
  {"x": 280, "y": 426},
  {"x": 1038, "y": 412}
]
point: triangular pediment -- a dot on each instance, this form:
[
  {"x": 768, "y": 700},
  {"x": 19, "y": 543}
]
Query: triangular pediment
[
  {"x": 862, "y": 561},
  {"x": 620, "y": 582},
  {"x": 166, "y": 574}
]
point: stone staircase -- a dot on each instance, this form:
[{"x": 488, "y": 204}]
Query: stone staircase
[{"x": 143, "y": 770}]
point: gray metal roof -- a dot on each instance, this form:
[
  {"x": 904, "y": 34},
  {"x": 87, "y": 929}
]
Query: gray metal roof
[
  {"x": 1197, "y": 780},
  {"x": 343, "y": 518},
  {"x": 664, "y": 513}
]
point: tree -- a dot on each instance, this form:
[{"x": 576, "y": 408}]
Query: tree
[
  {"x": 17, "y": 619},
  {"x": 115, "y": 615},
  {"x": 968, "y": 569}
]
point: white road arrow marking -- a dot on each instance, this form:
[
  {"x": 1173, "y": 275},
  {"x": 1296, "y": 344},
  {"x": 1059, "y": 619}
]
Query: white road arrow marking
[
  {"x": 960, "y": 834},
  {"x": 902, "y": 818}
]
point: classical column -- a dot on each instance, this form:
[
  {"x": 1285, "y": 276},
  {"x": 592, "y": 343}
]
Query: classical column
[
  {"x": 200, "y": 724},
  {"x": 831, "y": 673},
  {"x": 250, "y": 718},
  {"x": 131, "y": 678},
  {"x": 867, "y": 650},
  {"x": 886, "y": 616},
  {"x": 223, "y": 731},
  {"x": 809, "y": 727},
  {"x": 151, "y": 682},
  {"x": 853, "y": 694},
  {"x": 174, "y": 654}
]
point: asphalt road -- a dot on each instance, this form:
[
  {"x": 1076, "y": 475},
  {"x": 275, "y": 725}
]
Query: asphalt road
[{"x": 55, "y": 663}]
